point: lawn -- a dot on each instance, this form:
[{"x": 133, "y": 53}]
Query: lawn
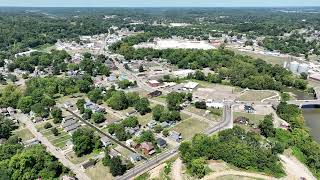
[
  {"x": 143, "y": 120},
  {"x": 161, "y": 98},
  {"x": 24, "y": 134},
  {"x": 253, "y": 118},
  {"x": 58, "y": 141},
  {"x": 255, "y": 95},
  {"x": 77, "y": 160},
  {"x": 269, "y": 59},
  {"x": 99, "y": 172},
  {"x": 213, "y": 115},
  {"x": 190, "y": 127}
]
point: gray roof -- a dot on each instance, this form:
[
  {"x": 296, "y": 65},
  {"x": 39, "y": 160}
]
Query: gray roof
[
  {"x": 68, "y": 123},
  {"x": 161, "y": 142},
  {"x": 72, "y": 127}
]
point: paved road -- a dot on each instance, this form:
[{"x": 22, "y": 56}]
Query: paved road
[
  {"x": 52, "y": 149},
  {"x": 151, "y": 163}
]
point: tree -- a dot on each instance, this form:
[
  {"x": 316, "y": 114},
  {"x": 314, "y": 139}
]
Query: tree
[
  {"x": 165, "y": 132},
  {"x": 201, "y": 105},
  {"x": 174, "y": 100},
  {"x": 157, "y": 112},
  {"x": 25, "y": 104},
  {"x": 98, "y": 117},
  {"x": 130, "y": 122},
  {"x": 6, "y": 127},
  {"x": 55, "y": 131},
  {"x": 304, "y": 76},
  {"x": 118, "y": 101},
  {"x": 87, "y": 114},
  {"x": 146, "y": 136},
  {"x": 116, "y": 166},
  {"x": 85, "y": 141},
  {"x": 158, "y": 128},
  {"x": 141, "y": 69},
  {"x": 80, "y": 105},
  {"x": 47, "y": 125},
  {"x": 106, "y": 161},
  {"x": 198, "y": 167},
  {"x": 56, "y": 114},
  {"x": 142, "y": 106},
  {"x": 95, "y": 95},
  {"x": 51, "y": 168},
  {"x": 266, "y": 126}
]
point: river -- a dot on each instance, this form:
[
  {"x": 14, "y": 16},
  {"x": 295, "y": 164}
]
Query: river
[
  {"x": 311, "y": 114},
  {"x": 312, "y": 119}
]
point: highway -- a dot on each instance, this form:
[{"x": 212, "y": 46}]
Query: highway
[{"x": 151, "y": 163}]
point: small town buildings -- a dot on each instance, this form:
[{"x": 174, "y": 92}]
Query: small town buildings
[
  {"x": 70, "y": 124},
  {"x": 154, "y": 83},
  {"x": 147, "y": 148},
  {"x": 154, "y": 94},
  {"x": 31, "y": 142},
  {"x": 161, "y": 143},
  {"x": 175, "y": 136},
  {"x": 134, "y": 157},
  {"x": 37, "y": 119},
  {"x": 94, "y": 107},
  {"x": 88, "y": 164},
  {"x": 211, "y": 104},
  {"x": 130, "y": 113},
  {"x": 248, "y": 109},
  {"x": 190, "y": 85},
  {"x": 183, "y": 73},
  {"x": 105, "y": 141},
  {"x": 164, "y": 124},
  {"x": 152, "y": 124}
]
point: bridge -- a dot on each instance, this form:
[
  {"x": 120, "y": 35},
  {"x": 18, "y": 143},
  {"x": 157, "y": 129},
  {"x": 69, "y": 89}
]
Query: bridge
[{"x": 302, "y": 103}]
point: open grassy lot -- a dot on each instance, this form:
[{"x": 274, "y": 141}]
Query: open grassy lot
[
  {"x": 253, "y": 118},
  {"x": 143, "y": 120},
  {"x": 213, "y": 115},
  {"x": 190, "y": 127},
  {"x": 232, "y": 177},
  {"x": 255, "y": 95},
  {"x": 269, "y": 59},
  {"x": 24, "y": 134},
  {"x": 77, "y": 160},
  {"x": 161, "y": 98},
  {"x": 99, "y": 172}
]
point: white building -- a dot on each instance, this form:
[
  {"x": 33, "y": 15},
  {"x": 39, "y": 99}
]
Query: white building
[{"x": 191, "y": 85}]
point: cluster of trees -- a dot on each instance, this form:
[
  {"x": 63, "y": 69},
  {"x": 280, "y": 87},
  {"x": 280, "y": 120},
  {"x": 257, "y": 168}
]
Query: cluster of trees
[
  {"x": 6, "y": 127},
  {"x": 161, "y": 114},
  {"x": 239, "y": 70},
  {"x": 119, "y": 130},
  {"x": 17, "y": 162},
  {"x": 55, "y": 59},
  {"x": 119, "y": 100},
  {"x": 93, "y": 65},
  {"x": 85, "y": 141},
  {"x": 40, "y": 93},
  {"x": 225, "y": 146},
  {"x": 295, "y": 44},
  {"x": 174, "y": 100},
  {"x": 117, "y": 168},
  {"x": 124, "y": 84},
  {"x": 298, "y": 137}
]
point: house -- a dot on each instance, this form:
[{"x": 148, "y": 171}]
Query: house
[
  {"x": 113, "y": 153},
  {"x": 134, "y": 157},
  {"x": 70, "y": 124},
  {"x": 154, "y": 94},
  {"x": 31, "y": 142},
  {"x": 248, "y": 109},
  {"x": 154, "y": 83},
  {"x": 190, "y": 85},
  {"x": 147, "y": 148},
  {"x": 37, "y": 119},
  {"x": 87, "y": 164},
  {"x": 241, "y": 120},
  {"x": 152, "y": 124},
  {"x": 161, "y": 143},
  {"x": 164, "y": 124},
  {"x": 130, "y": 113},
  {"x": 175, "y": 136},
  {"x": 105, "y": 141}
]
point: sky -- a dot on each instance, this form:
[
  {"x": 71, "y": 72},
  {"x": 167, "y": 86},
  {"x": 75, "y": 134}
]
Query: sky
[{"x": 159, "y": 3}]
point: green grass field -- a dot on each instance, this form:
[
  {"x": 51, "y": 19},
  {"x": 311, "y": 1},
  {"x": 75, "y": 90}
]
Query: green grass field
[
  {"x": 253, "y": 118},
  {"x": 190, "y": 127},
  {"x": 255, "y": 95},
  {"x": 99, "y": 172},
  {"x": 24, "y": 134}
]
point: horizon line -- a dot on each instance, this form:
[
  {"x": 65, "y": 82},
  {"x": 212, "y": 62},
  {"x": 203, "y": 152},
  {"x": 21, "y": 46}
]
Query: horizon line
[{"x": 292, "y": 6}]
